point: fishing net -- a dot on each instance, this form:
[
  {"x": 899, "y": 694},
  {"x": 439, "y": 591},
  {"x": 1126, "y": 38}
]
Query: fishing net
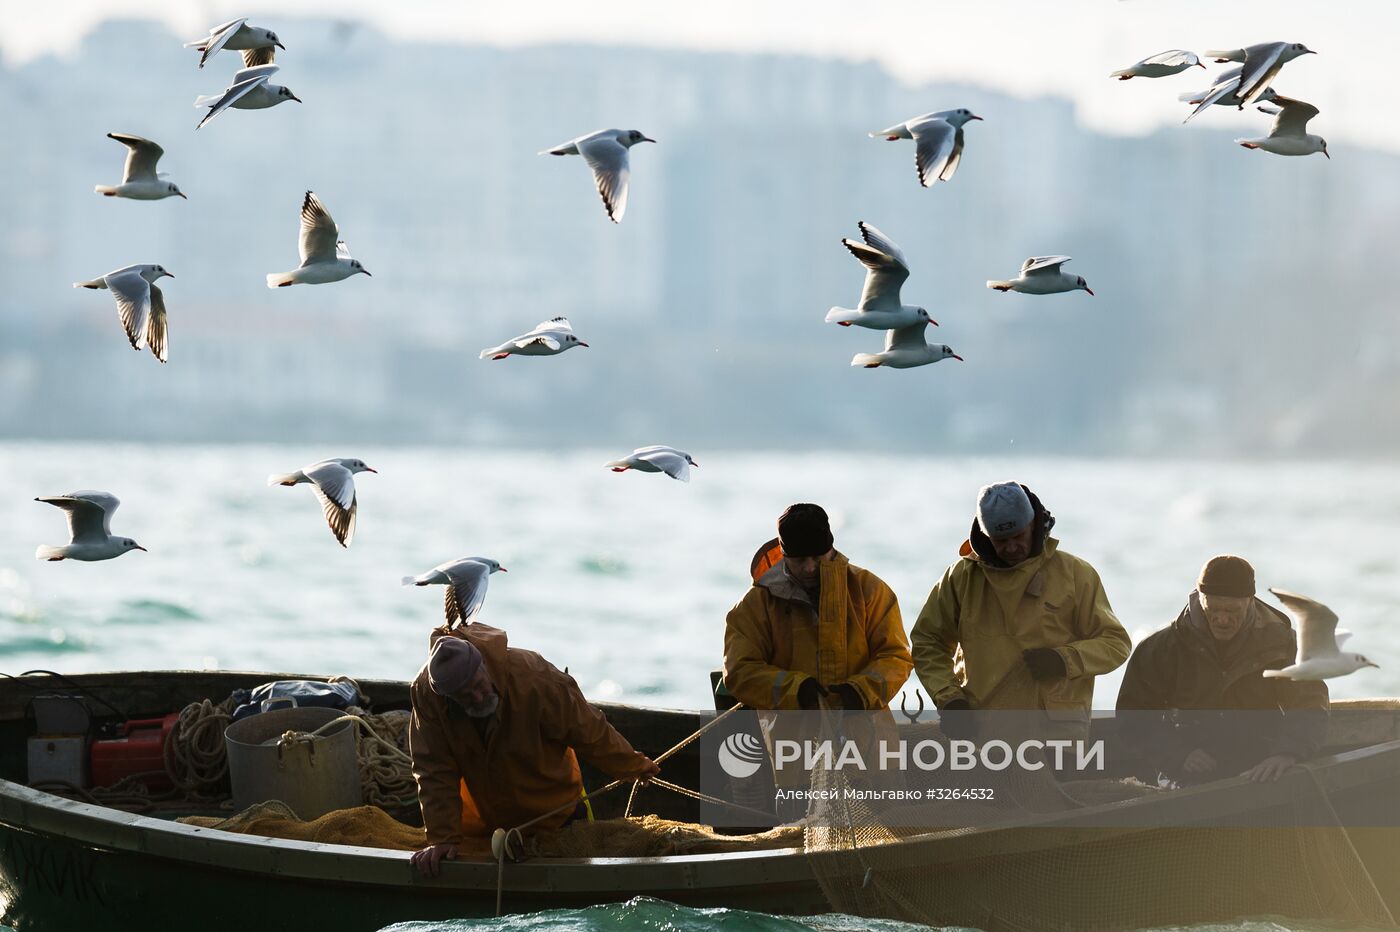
[
  {"x": 999, "y": 870},
  {"x": 369, "y": 826}
]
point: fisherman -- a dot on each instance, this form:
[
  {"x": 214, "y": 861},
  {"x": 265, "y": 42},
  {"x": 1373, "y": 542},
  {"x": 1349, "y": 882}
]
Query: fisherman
[
  {"x": 1032, "y": 622},
  {"x": 814, "y": 629},
  {"x": 1209, "y": 663},
  {"x": 493, "y": 739}
]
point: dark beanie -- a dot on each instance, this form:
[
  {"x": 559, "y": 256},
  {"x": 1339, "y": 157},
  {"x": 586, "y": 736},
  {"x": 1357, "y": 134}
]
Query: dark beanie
[
  {"x": 1228, "y": 576},
  {"x": 804, "y": 531}
]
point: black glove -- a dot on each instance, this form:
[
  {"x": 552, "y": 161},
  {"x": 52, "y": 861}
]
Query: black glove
[
  {"x": 849, "y": 696},
  {"x": 810, "y": 692},
  {"x": 956, "y": 721},
  {"x": 1045, "y": 663}
]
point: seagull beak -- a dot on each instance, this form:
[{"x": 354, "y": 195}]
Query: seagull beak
[
  {"x": 366, "y": 271},
  {"x": 1090, "y": 290},
  {"x": 1376, "y": 665},
  {"x": 976, "y": 117},
  {"x": 959, "y": 358},
  {"x": 932, "y": 322},
  {"x": 182, "y": 194},
  {"x": 280, "y": 46},
  {"x": 144, "y": 550},
  {"x": 501, "y": 569},
  {"x": 1199, "y": 65},
  {"x": 1324, "y": 152},
  {"x": 371, "y": 469},
  {"x": 647, "y": 139},
  {"x": 581, "y": 343},
  {"x": 294, "y": 97}
]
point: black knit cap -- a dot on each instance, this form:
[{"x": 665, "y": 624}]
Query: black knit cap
[
  {"x": 804, "y": 531},
  {"x": 1227, "y": 575}
]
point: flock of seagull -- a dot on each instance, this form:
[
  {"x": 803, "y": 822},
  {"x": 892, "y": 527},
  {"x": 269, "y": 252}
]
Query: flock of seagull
[{"x": 938, "y": 139}]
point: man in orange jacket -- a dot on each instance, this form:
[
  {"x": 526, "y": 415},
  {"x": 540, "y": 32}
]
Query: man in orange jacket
[{"x": 493, "y": 740}]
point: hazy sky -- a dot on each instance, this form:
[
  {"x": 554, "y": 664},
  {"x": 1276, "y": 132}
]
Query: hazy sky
[{"x": 1026, "y": 47}]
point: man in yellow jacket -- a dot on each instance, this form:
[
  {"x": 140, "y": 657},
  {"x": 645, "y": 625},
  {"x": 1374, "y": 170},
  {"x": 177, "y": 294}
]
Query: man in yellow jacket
[
  {"x": 814, "y": 626},
  {"x": 1033, "y": 623}
]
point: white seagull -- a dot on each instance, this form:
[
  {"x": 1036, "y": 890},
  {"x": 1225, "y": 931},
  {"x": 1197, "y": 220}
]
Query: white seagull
[
  {"x": 334, "y": 483},
  {"x": 674, "y": 463},
  {"x": 886, "y": 270},
  {"x": 550, "y": 338},
  {"x": 140, "y": 180},
  {"x": 1224, "y": 92},
  {"x": 324, "y": 256},
  {"x": 1318, "y": 642},
  {"x": 938, "y": 142},
  {"x": 236, "y": 34},
  {"x": 1042, "y": 275},
  {"x": 466, "y": 580},
  {"x": 249, "y": 90},
  {"x": 89, "y": 527},
  {"x": 906, "y": 348},
  {"x": 1261, "y": 63},
  {"x": 1289, "y": 135},
  {"x": 606, "y": 152},
  {"x": 140, "y": 304},
  {"x": 1172, "y": 61}
]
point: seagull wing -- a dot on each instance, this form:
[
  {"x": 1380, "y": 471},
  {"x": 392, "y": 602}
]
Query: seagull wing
[
  {"x": 1317, "y": 624},
  {"x": 89, "y": 514},
  {"x": 218, "y": 38},
  {"x": 672, "y": 464},
  {"x": 319, "y": 234},
  {"x": 1292, "y": 117},
  {"x": 608, "y": 159},
  {"x": 466, "y": 590},
  {"x": 955, "y": 159},
  {"x": 1043, "y": 264},
  {"x": 155, "y": 326},
  {"x": 554, "y": 323},
  {"x": 877, "y": 240},
  {"x": 1228, "y": 84},
  {"x": 910, "y": 337},
  {"x": 1261, "y": 63},
  {"x": 243, "y": 83},
  {"x": 884, "y": 276},
  {"x": 654, "y": 448},
  {"x": 133, "y": 294},
  {"x": 141, "y": 157},
  {"x": 1171, "y": 57},
  {"x": 335, "y": 487},
  {"x": 934, "y": 143},
  {"x": 543, "y": 339},
  {"x": 252, "y": 58}
]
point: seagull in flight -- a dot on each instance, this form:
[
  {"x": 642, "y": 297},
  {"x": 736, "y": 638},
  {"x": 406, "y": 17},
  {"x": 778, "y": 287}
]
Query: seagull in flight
[
  {"x": 885, "y": 272},
  {"x": 1319, "y": 656},
  {"x": 938, "y": 142},
  {"x": 607, "y": 153},
  {"x": 89, "y": 528},
  {"x": 334, "y": 483},
  {"x": 466, "y": 581}
]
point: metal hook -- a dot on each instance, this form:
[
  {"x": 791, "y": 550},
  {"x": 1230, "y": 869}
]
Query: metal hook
[{"x": 904, "y": 698}]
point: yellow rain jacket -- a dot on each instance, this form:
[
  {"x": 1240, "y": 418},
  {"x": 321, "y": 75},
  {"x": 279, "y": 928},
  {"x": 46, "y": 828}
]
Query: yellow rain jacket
[
  {"x": 774, "y": 638},
  {"x": 1051, "y": 599}
]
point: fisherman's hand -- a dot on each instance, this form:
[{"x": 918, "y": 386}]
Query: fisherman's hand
[
  {"x": 650, "y": 769},
  {"x": 427, "y": 859},
  {"x": 810, "y": 693},
  {"x": 956, "y": 721},
  {"x": 848, "y": 696},
  {"x": 1270, "y": 768},
  {"x": 1198, "y": 761},
  {"x": 1045, "y": 663}
]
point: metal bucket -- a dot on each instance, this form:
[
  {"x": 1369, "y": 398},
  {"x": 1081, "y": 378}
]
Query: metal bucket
[{"x": 312, "y": 777}]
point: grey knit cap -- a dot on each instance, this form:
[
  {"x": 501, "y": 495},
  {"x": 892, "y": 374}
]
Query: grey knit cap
[
  {"x": 453, "y": 665},
  {"x": 1003, "y": 508}
]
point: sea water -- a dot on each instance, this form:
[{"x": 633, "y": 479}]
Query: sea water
[{"x": 624, "y": 578}]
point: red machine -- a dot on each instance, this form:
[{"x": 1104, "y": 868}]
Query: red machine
[{"x": 139, "y": 750}]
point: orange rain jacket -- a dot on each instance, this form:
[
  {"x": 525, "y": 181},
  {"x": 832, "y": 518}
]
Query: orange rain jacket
[
  {"x": 527, "y": 766},
  {"x": 774, "y": 638}
]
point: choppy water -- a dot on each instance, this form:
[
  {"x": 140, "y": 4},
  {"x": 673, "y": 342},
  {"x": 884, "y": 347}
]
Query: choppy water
[
  {"x": 647, "y": 915},
  {"x": 624, "y": 578}
]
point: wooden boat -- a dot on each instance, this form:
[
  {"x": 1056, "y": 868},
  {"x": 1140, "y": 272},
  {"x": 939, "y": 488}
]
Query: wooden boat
[{"x": 67, "y": 865}]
